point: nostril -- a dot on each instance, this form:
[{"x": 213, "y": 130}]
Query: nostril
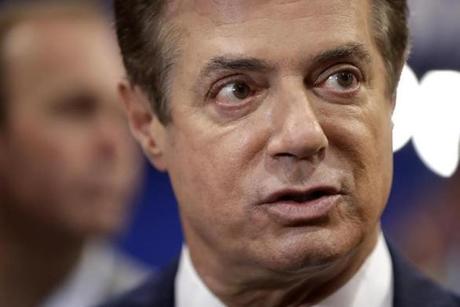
[
  {"x": 313, "y": 157},
  {"x": 303, "y": 147}
]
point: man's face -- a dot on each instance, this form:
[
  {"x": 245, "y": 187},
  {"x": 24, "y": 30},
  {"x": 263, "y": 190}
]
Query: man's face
[
  {"x": 279, "y": 149},
  {"x": 67, "y": 159}
]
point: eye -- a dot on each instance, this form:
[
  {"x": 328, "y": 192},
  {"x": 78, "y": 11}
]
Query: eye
[
  {"x": 78, "y": 105},
  {"x": 343, "y": 80},
  {"x": 233, "y": 93},
  {"x": 340, "y": 83}
]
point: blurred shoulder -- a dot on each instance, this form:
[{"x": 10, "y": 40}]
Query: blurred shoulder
[
  {"x": 412, "y": 288},
  {"x": 157, "y": 291}
]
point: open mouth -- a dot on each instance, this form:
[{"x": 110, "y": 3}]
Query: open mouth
[
  {"x": 302, "y": 207},
  {"x": 302, "y": 197}
]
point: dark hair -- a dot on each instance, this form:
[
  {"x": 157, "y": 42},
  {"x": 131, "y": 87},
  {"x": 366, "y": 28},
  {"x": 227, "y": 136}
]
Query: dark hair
[
  {"x": 147, "y": 54},
  {"x": 2, "y": 97},
  {"x": 140, "y": 28},
  {"x": 15, "y": 12},
  {"x": 391, "y": 34}
]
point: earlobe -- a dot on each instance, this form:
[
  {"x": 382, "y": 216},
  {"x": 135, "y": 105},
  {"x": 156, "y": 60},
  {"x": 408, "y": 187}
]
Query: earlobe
[{"x": 144, "y": 124}]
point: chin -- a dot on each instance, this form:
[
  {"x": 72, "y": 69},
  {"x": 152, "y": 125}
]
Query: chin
[
  {"x": 100, "y": 228},
  {"x": 312, "y": 250},
  {"x": 109, "y": 220}
]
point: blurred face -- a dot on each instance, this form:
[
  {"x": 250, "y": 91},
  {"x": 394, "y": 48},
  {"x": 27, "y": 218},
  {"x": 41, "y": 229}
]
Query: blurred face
[
  {"x": 279, "y": 149},
  {"x": 67, "y": 158}
]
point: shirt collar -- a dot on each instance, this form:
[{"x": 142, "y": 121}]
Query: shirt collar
[
  {"x": 370, "y": 286},
  {"x": 190, "y": 291}
]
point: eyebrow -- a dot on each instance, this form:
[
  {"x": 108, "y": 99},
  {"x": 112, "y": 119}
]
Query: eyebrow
[
  {"x": 348, "y": 51},
  {"x": 232, "y": 63}
]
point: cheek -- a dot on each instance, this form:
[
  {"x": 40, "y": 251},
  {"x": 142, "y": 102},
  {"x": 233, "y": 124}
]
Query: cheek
[
  {"x": 362, "y": 143},
  {"x": 33, "y": 184},
  {"x": 44, "y": 159},
  {"x": 210, "y": 167},
  {"x": 37, "y": 149}
]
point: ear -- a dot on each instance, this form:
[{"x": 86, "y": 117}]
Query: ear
[{"x": 144, "y": 124}]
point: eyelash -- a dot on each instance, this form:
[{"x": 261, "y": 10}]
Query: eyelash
[
  {"x": 337, "y": 69},
  {"x": 220, "y": 84},
  {"x": 346, "y": 95},
  {"x": 322, "y": 78}
]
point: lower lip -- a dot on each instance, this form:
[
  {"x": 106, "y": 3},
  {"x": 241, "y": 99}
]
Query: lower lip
[{"x": 290, "y": 212}]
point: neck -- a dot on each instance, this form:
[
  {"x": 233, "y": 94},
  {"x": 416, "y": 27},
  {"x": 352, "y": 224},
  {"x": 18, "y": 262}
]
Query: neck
[
  {"x": 34, "y": 260},
  {"x": 244, "y": 286}
]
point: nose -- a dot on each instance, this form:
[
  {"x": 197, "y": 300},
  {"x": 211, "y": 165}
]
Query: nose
[
  {"x": 107, "y": 138},
  {"x": 297, "y": 133}
]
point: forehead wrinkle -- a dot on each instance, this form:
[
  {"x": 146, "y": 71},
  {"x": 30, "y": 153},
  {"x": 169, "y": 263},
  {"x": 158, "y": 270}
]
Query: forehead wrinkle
[
  {"x": 221, "y": 12},
  {"x": 195, "y": 20}
]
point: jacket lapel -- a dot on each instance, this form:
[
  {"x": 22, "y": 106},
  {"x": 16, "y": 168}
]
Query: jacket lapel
[{"x": 412, "y": 289}]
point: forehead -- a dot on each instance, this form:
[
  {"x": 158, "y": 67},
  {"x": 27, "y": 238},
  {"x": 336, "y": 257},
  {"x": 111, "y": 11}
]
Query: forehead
[
  {"x": 44, "y": 55},
  {"x": 223, "y": 11},
  {"x": 270, "y": 28},
  {"x": 56, "y": 40}
]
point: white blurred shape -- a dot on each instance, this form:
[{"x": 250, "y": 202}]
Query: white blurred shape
[
  {"x": 436, "y": 117},
  {"x": 407, "y": 100}
]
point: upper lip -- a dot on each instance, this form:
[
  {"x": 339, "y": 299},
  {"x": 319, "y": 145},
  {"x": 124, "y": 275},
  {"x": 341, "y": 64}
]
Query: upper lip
[{"x": 301, "y": 195}]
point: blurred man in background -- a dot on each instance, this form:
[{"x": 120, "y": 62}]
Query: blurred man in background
[{"x": 68, "y": 167}]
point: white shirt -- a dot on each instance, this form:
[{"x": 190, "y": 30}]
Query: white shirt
[
  {"x": 101, "y": 273},
  {"x": 372, "y": 285}
]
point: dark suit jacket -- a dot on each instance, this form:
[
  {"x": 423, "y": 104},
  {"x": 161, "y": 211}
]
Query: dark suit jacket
[{"x": 411, "y": 289}]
